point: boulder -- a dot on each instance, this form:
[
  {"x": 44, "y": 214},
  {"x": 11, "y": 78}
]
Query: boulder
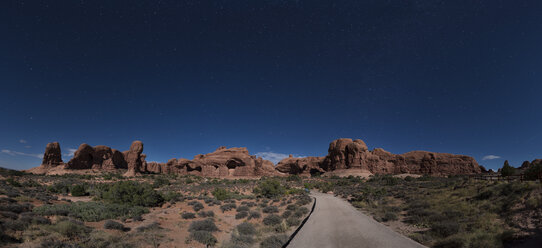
[{"x": 52, "y": 156}]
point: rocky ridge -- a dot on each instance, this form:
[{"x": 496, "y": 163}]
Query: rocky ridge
[{"x": 344, "y": 155}]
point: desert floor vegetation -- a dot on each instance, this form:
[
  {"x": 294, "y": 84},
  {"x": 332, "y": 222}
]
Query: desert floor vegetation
[
  {"x": 110, "y": 210},
  {"x": 445, "y": 211}
]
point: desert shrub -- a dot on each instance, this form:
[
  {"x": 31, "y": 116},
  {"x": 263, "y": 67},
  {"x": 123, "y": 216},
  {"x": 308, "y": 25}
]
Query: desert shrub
[
  {"x": 451, "y": 242},
  {"x": 533, "y": 172},
  {"x": 303, "y": 200},
  {"x": 293, "y": 178},
  {"x": 291, "y": 207},
  {"x": 246, "y": 228},
  {"x": 159, "y": 182},
  {"x": 171, "y": 196},
  {"x": 13, "y": 182},
  {"x": 254, "y": 215},
  {"x": 205, "y": 214},
  {"x": 130, "y": 193},
  {"x": 270, "y": 209},
  {"x": 61, "y": 187},
  {"x": 110, "y": 224},
  {"x": 269, "y": 188},
  {"x": 507, "y": 170},
  {"x": 15, "y": 207},
  {"x": 90, "y": 211},
  {"x": 204, "y": 237},
  {"x": 78, "y": 190},
  {"x": 445, "y": 228},
  {"x": 275, "y": 241},
  {"x": 228, "y": 207},
  {"x": 389, "y": 216},
  {"x": 272, "y": 219},
  {"x": 293, "y": 221},
  {"x": 300, "y": 212},
  {"x": 242, "y": 208},
  {"x": 188, "y": 215},
  {"x": 70, "y": 228},
  {"x": 197, "y": 206},
  {"x": 221, "y": 194},
  {"x": 137, "y": 218},
  {"x": 203, "y": 225},
  {"x": 148, "y": 227},
  {"x": 241, "y": 215},
  {"x": 286, "y": 214}
]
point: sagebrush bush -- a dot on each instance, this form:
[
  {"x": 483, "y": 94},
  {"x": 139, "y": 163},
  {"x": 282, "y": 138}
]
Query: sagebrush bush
[
  {"x": 254, "y": 215},
  {"x": 293, "y": 221},
  {"x": 203, "y": 225},
  {"x": 204, "y": 237},
  {"x": 227, "y": 207},
  {"x": 274, "y": 241},
  {"x": 148, "y": 227},
  {"x": 197, "y": 206},
  {"x": 241, "y": 215},
  {"x": 270, "y": 209},
  {"x": 272, "y": 219},
  {"x": 70, "y": 228},
  {"x": 78, "y": 190},
  {"x": 110, "y": 224},
  {"x": 242, "y": 208},
  {"x": 188, "y": 215},
  {"x": 286, "y": 214},
  {"x": 204, "y": 214},
  {"x": 246, "y": 228}
]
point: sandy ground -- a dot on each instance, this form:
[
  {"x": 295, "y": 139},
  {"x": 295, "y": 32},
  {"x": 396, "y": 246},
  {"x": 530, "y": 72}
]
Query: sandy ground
[{"x": 335, "y": 223}]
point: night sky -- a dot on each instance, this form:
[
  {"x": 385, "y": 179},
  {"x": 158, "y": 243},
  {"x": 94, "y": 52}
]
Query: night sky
[{"x": 277, "y": 77}]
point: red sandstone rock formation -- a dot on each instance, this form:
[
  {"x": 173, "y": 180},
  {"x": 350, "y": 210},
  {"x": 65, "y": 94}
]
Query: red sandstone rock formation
[
  {"x": 344, "y": 154},
  {"x": 98, "y": 158},
  {"x": 52, "y": 156},
  {"x": 134, "y": 159},
  {"x": 224, "y": 162},
  {"x": 300, "y": 166}
]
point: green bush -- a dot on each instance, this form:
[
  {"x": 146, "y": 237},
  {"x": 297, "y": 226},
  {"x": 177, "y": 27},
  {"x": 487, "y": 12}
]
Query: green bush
[
  {"x": 221, "y": 194},
  {"x": 286, "y": 214},
  {"x": 90, "y": 211},
  {"x": 507, "y": 170},
  {"x": 227, "y": 207},
  {"x": 242, "y": 208},
  {"x": 269, "y": 188},
  {"x": 205, "y": 214},
  {"x": 445, "y": 228},
  {"x": 130, "y": 193},
  {"x": 533, "y": 172},
  {"x": 78, "y": 190}
]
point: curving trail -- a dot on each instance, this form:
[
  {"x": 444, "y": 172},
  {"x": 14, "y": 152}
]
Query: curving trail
[{"x": 336, "y": 223}]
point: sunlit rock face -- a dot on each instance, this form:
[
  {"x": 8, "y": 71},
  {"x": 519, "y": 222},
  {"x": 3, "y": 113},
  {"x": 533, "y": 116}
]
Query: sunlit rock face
[{"x": 344, "y": 154}]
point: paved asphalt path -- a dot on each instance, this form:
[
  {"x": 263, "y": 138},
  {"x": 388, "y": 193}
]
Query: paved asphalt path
[{"x": 336, "y": 223}]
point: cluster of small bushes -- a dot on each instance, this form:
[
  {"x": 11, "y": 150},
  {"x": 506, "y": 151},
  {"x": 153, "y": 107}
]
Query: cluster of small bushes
[
  {"x": 202, "y": 231},
  {"x": 269, "y": 188},
  {"x": 91, "y": 211}
]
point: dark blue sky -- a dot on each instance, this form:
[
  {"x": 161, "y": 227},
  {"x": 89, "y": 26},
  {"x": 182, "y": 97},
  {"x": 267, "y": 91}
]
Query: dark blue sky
[{"x": 275, "y": 76}]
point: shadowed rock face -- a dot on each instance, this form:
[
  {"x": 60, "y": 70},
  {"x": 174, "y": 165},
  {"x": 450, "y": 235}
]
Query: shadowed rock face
[
  {"x": 134, "y": 159},
  {"x": 52, "y": 156},
  {"x": 98, "y": 157},
  {"x": 353, "y": 154}
]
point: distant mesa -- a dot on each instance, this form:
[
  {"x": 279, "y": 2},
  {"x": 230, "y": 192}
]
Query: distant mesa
[{"x": 345, "y": 157}]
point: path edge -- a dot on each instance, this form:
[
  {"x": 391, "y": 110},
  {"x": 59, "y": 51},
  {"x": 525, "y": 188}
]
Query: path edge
[{"x": 300, "y": 226}]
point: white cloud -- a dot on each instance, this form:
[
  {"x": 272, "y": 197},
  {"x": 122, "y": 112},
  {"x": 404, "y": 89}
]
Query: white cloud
[
  {"x": 70, "y": 153},
  {"x": 274, "y": 157},
  {"x": 22, "y": 141},
  {"x": 27, "y": 146},
  {"x": 16, "y": 153},
  {"x": 490, "y": 157}
]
